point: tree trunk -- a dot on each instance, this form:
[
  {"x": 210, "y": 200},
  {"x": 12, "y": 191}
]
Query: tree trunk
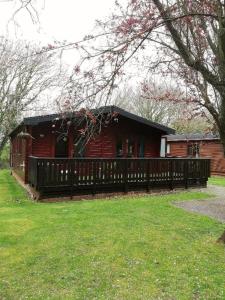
[
  {"x": 221, "y": 239},
  {"x": 2, "y": 143},
  {"x": 221, "y": 125},
  {"x": 222, "y": 139}
]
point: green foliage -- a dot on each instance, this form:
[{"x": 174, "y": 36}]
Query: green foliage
[
  {"x": 4, "y": 157},
  {"x": 131, "y": 248},
  {"x": 195, "y": 125}
]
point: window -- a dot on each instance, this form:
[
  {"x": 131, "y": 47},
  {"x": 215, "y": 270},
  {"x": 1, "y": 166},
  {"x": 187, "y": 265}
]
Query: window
[
  {"x": 193, "y": 149},
  {"x": 130, "y": 148},
  {"x": 163, "y": 147},
  {"x": 189, "y": 150},
  {"x": 119, "y": 148},
  {"x": 141, "y": 148},
  {"x": 61, "y": 147},
  {"x": 167, "y": 148},
  {"x": 80, "y": 147}
]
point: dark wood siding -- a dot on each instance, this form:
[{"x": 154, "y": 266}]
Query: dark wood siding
[
  {"x": 104, "y": 145},
  {"x": 211, "y": 149},
  {"x": 178, "y": 148},
  {"x": 214, "y": 150},
  {"x": 43, "y": 144}
]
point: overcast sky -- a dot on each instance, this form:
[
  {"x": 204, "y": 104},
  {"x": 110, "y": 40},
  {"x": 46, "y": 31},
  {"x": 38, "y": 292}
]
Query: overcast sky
[{"x": 59, "y": 19}]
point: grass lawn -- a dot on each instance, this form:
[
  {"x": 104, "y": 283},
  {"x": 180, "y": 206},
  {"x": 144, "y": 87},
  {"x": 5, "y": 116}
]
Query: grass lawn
[
  {"x": 135, "y": 248},
  {"x": 217, "y": 180}
]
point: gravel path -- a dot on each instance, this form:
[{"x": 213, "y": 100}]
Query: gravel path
[{"x": 213, "y": 207}]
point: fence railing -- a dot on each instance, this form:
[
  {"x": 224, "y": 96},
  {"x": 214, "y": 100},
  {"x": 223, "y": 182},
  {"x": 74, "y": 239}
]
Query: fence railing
[{"x": 88, "y": 175}]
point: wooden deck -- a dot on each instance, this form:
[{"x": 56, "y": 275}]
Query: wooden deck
[{"x": 64, "y": 177}]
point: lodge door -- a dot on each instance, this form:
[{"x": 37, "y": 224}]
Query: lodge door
[{"x": 61, "y": 147}]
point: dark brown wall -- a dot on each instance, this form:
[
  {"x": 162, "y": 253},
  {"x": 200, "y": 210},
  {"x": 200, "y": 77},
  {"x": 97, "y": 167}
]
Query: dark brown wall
[
  {"x": 178, "y": 148},
  {"x": 214, "y": 150},
  {"x": 43, "y": 142},
  {"x": 104, "y": 145}
]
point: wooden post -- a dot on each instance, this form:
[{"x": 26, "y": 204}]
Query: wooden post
[
  {"x": 148, "y": 176},
  {"x": 125, "y": 173},
  {"x": 76, "y": 173},
  {"x": 71, "y": 177},
  {"x": 37, "y": 173},
  {"x": 186, "y": 173},
  {"x": 171, "y": 170},
  {"x": 94, "y": 177}
]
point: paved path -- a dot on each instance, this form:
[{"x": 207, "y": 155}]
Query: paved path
[{"x": 213, "y": 207}]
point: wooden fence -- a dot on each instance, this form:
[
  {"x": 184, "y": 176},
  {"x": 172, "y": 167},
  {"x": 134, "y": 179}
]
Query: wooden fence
[{"x": 63, "y": 176}]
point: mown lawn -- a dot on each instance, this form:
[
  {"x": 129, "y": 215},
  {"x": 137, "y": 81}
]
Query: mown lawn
[
  {"x": 217, "y": 180},
  {"x": 135, "y": 248}
]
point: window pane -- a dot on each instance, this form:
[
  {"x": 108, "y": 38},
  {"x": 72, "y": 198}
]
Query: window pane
[
  {"x": 193, "y": 149},
  {"x": 80, "y": 147},
  {"x": 119, "y": 148},
  {"x": 190, "y": 150},
  {"x": 168, "y": 148},
  {"x": 130, "y": 149},
  {"x": 141, "y": 148},
  {"x": 163, "y": 147}
]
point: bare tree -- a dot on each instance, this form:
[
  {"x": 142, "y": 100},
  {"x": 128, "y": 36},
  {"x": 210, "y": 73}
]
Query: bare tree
[
  {"x": 25, "y": 77},
  {"x": 146, "y": 105},
  {"x": 29, "y": 6},
  {"x": 145, "y": 100}
]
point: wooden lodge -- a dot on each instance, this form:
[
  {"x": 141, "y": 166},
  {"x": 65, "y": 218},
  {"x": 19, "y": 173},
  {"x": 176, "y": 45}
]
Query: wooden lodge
[
  {"x": 122, "y": 155},
  {"x": 197, "y": 146}
]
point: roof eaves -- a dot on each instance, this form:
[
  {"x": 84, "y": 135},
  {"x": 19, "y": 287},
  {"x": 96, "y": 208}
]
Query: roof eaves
[
  {"x": 191, "y": 139},
  {"x": 40, "y": 119},
  {"x": 15, "y": 129},
  {"x": 105, "y": 109}
]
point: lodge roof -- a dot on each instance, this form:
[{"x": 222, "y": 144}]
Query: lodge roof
[
  {"x": 102, "y": 110},
  {"x": 192, "y": 137}
]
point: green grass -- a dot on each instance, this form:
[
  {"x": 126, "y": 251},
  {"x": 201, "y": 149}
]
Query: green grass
[
  {"x": 217, "y": 180},
  {"x": 135, "y": 248}
]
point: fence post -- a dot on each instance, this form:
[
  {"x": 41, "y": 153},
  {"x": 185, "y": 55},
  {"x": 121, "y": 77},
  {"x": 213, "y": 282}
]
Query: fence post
[
  {"x": 171, "y": 170},
  {"x": 71, "y": 174},
  {"x": 125, "y": 175},
  {"x": 94, "y": 177},
  {"x": 208, "y": 167},
  {"x": 148, "y": 176},
  {"x": 186, "y": 173},
  {"x": 37, "y": 173}
]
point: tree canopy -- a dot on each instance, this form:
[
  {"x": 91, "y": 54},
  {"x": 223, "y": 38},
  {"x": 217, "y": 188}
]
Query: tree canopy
[
  {"x": 182, "y": 42},
  {"x": 24, "y": 79}
]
